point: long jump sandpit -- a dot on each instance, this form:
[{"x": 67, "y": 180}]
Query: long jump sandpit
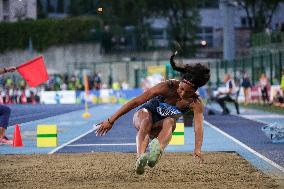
[{"x": 116, "y": 170}]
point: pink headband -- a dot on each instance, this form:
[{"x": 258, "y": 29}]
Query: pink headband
[{"x": 187, "y": 82}]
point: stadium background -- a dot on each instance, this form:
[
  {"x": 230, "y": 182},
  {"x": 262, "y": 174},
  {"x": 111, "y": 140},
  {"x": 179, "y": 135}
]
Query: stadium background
[{"x": 124, "y": 49}]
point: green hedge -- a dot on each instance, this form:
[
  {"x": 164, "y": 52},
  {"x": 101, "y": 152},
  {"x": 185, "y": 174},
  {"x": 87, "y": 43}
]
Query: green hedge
[
  {"x": 49, "y": 32},
  {"x": 260, "y": 39}
]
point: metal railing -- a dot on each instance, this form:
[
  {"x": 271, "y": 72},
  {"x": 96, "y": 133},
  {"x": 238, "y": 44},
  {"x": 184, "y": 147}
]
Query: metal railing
[
  {"x": 262, "y": 39},
  {"x": 269, "y": 63}
]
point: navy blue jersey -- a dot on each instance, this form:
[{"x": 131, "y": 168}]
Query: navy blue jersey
[{"x": 160, "y": 109}]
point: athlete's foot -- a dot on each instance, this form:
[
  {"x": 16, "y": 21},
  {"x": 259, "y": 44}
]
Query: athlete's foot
[
  {"x": 141, "y": 163},
  {"x": 155, "y": 152}
]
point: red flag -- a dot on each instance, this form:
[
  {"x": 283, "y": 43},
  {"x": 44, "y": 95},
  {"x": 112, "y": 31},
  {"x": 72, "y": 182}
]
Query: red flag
[{"x": 34, "y": 71}]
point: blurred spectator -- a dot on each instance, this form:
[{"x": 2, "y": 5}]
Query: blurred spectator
[
  {"x": 91, "y": 80},
  {"x": 15, "y": 90},
  {"x": 264, "y": 84},
  {"x": 151, "y": 81},
  {"x": 23, "y": 98},
  {"x": 5, "y": 111},
  {"x": 78, "y": 84},
  {"x": 278, "y": 99},
  {"x": 282, "y": 82},
  {"x": 246, "y": 84},
  {"x": 63, "y": 86},
  {"x": 110, "y": 81},
  {"x": 98, "y": 81},
  {"x": 229, "y": 95},
  {"x": 72, "y": 83},
  {"x": 115, "y": 86},
  {"x": 124, "y": 85},
  {"x": 146, "y": 83},
  {"x": 275, "y": 81},
  {"x": 1, "y": 98}
]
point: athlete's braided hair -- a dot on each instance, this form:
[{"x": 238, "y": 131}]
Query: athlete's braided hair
[{"x": 197, "y": 74}]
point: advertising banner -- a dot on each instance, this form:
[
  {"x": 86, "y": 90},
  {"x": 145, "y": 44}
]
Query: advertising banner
[{"x": 58, "y": 97}]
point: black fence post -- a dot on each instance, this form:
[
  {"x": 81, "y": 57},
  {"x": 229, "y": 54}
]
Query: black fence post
[
  {"x": 271, "y": 68},
  {"x": 280, "y": 66},
  {"x": 235, "y": 69},
  {"x": 217, "y": 73},
  {"x": 261, "y": 64},
  {"x": 252, "y": 71},
  {"x": 127, "y": 71}
]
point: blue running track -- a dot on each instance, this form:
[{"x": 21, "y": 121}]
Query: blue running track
[
  {"x": 121, "y": 138},
  {"x": 249, "y": 132},
  {"x": 25, "y": 113}
]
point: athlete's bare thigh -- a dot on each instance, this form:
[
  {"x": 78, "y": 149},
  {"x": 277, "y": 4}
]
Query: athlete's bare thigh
[
  {"x": 142, "y": 118},
  {"x": 157, "y": 127}
]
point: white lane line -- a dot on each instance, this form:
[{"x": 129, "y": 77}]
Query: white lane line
[
  {"x": 264, "y": 116},
  {"x": 246, "y": 147},
  {"x": 121, "y": 144},
  {"x": 69, "y": 142}
]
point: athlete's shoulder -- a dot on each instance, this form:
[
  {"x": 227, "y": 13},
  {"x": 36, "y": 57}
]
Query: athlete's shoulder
[
  {"x": 172, "y": 82},
  {"x": 159, "y": 89}
]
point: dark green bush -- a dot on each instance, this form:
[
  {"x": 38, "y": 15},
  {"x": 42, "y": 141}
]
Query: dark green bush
[{"x": 49, "y": 32}]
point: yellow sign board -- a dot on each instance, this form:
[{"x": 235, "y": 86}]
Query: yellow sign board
[
  {"x": 152, "y": 70},
  {"x": 46, "y": 136},
  {"x": 178, "y": 135}
]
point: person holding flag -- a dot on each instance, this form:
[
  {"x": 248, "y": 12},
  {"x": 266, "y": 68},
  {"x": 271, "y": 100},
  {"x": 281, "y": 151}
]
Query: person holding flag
[
  {"x": 5, "y": 112},
  {"x": 34, "y": 72}
]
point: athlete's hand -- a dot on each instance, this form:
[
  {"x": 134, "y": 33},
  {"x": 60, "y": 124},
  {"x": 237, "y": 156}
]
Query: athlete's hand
[
  {"x": 103, "y": 128},
  {"x": 197, "y": 154},
  {"x": 10, "y": 69}
]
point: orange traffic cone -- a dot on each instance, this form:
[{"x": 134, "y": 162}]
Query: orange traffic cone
[{"x": 17, "y": 140}]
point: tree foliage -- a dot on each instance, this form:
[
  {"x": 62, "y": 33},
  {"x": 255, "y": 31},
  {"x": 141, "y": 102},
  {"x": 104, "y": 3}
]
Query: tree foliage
[
  {"x": 260, "y": 12},
  {"x": 40, "y": 12},
  {"x": 48, "y": 32},
  {"x": 182, "y": 16},
  {"x": 120, "y": 12}
]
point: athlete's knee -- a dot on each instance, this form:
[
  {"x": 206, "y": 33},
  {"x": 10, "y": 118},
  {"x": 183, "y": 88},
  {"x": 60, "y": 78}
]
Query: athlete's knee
[{"x": 142, "y": 119}]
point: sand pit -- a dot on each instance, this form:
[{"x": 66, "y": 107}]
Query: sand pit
[{"x": 116, "y": 170}]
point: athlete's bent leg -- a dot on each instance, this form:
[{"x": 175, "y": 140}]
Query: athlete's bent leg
[
  {"x": 142, "y": 121},
  {"x": 164, "y": 136}
]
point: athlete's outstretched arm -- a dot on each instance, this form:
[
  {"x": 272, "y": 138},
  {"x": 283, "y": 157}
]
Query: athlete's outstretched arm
[
  {"x": 198, "y": 127},
  {"x": 159, "y": 89}
]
